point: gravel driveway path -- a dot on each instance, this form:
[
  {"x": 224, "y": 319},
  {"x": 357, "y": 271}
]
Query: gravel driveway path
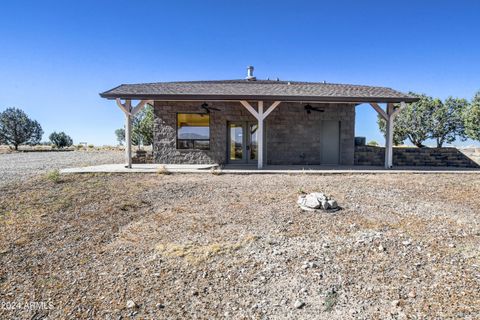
[
  {"x": 19, "y": 166},
  {"x": 178, "y": 246}
]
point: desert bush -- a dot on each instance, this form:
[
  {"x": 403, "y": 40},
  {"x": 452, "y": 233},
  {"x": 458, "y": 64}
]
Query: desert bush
[
  {"x": 330, "y": 300},
  {"x": 54, "y": 176},
  {"x": 163, "y": 170},
  {"x": 216, "y": 171},
  {"x": 42, "y": 147},
  {"x": 60, "y": 140}
]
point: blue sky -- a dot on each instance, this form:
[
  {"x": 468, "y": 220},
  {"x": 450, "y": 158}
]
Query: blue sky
[{"x": 56, "y": 56}]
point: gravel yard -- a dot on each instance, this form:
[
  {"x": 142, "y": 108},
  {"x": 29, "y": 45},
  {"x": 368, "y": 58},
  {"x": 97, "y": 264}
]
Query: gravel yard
[
  {"x": 237, "y": 246},
  {"x": 22, "y": 165}
]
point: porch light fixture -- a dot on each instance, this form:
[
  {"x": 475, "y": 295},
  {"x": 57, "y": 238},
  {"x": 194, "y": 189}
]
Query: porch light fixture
[{"x": 309, "y": 109}]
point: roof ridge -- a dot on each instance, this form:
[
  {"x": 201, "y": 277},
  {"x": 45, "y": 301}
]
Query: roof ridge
[{"x": 258, "y": 81}]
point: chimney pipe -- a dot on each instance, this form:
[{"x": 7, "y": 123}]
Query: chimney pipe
[{"x": 250, "y": 73}]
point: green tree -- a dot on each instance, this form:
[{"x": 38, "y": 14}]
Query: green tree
[
  {"x": 60, "y": 140},
  {"x": 17, "y": 128},
  {"x": 472, "y": 118},
  {"x": 414, "y": 122},
  {"x": 142, "y": 128},
  {"x": 120, "y": 134},
  {"x": 447, "y": 121},
  {"x": 399, "y": 134}
]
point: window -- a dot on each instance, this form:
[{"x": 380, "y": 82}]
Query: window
[{"x": 193, "y": 131}]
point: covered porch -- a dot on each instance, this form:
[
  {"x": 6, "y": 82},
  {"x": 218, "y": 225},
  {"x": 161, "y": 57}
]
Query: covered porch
[
  {"x": 308, "y": 123},
  {"x": 260, "y": 110}
]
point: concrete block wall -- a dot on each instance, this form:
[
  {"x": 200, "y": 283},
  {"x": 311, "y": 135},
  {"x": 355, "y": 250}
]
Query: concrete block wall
[
  {"x": 292, "y": 135},
  {"x": 411, "y": 157}
]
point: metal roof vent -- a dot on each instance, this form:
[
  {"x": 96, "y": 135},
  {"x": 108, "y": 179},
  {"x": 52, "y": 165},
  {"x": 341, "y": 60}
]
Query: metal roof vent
[{"x": 250, "y": 74}]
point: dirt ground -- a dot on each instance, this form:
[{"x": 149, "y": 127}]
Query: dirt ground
[{"x": 210, "y": 246}]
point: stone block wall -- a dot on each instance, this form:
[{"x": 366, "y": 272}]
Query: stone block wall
[
  {"x": 425, "y": 157},
  {"x": 292, "y": 135},
  {"x": 142, "y": 156}
]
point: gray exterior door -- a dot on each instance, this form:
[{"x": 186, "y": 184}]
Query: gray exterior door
[{"x": 330, "y": 142}]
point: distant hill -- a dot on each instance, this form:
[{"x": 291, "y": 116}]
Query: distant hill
[{"x": 191, "y": 136}]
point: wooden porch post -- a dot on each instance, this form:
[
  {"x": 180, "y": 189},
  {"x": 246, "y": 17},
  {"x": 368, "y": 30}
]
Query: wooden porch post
[
  {"x": 260, "y": 134},
  {"x": 129, "y": 113},
  {"x": 260, "y": 116},
  {"x": 389, "y": 118},
  {"x": 389, "y": 137},
  {"x": 128, "y": 140}
]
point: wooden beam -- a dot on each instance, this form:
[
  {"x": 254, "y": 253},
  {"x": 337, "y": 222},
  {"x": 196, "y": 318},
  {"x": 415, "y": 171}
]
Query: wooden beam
[
  {"x": 271, "y": 108},
  {"x": 139, "y": 106},
  {"x": 122, "y": 106},
  {"x": 250, "y": 108},
  {"x": 379, "y": 110}
]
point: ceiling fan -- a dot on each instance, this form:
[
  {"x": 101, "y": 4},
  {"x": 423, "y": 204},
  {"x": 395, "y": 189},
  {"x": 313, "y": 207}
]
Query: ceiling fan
[
  {"x": 207, "y": 108},
  {"x": 309, "y": 109}
]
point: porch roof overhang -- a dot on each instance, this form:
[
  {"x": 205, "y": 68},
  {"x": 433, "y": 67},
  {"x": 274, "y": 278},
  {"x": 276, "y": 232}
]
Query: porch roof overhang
[{"x": 257, "y": 90}]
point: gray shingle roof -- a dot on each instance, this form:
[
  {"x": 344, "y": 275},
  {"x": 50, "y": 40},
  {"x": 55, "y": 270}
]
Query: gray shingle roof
[{"x": 256, "y": 90}]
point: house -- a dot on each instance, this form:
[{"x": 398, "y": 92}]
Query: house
[{"x": 251, "y": 121}]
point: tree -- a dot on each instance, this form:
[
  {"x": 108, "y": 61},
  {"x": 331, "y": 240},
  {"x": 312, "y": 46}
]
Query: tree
[
  {"x": 17, "y": 128},
  {"x": 472, "y": 118},
  {"x": 60, "y": 140},
  {"x": 142, "y": 128},
  {"x": 120, "y": 133},
  {"x": 399, "y": 134},
  {"x": 414, "y": 122},
  {"x": 447, "y": 121}
]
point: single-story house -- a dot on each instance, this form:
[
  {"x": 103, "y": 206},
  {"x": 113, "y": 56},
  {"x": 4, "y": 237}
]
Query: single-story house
[{"x": 251, "y": 121}]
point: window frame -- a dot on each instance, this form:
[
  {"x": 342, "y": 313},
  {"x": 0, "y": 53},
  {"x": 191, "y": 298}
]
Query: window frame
[{"x": 192, "y": 141}]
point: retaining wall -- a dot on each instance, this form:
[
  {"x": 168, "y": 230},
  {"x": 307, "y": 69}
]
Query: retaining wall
[{"x": 413, "y": 157}]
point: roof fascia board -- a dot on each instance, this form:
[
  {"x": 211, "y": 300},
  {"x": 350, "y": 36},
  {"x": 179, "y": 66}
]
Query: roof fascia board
[{"x": 260, "y": 98}]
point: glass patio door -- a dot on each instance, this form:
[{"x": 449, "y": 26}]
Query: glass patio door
[
  {"x": 242, "y": 142},
  {"x": 252, "y": 147},
  {"x": 236, "y": 142}
]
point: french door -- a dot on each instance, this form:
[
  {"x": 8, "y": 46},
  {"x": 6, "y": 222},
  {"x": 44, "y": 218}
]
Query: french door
[{"x": 242, "y": 142}]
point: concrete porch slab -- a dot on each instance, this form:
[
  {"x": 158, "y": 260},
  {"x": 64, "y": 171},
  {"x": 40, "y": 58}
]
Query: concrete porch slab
[
  {"x": 251, "y": 169},
  {"x": 139, "y": 168}
]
